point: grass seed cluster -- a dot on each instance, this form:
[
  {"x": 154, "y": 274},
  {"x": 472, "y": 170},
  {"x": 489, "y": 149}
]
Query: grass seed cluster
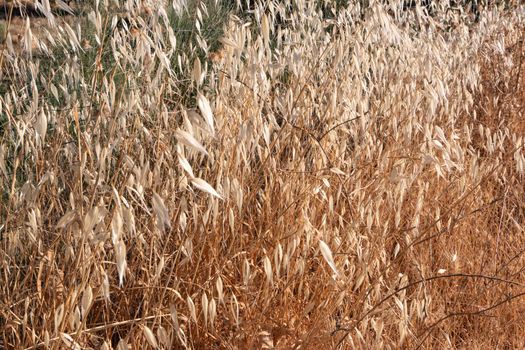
[{"x": 294, "y": 175}]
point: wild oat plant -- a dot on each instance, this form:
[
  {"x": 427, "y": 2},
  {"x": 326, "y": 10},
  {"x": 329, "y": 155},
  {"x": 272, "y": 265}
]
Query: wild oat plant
[{"x": 324, "y": 175}]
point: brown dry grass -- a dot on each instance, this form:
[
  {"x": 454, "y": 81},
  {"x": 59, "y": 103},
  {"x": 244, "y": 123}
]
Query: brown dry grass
[{"x": 329, "y": 183}]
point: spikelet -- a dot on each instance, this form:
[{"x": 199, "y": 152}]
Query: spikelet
[
  {"x": 150, "y": 337},
  {"x": 188, "y": 140},
  {"x": 205, "y": 187},
  {"x": 207, "y": 114},
  {"x": 327, "y": 255},
  {"x": 120, "y": 257}
]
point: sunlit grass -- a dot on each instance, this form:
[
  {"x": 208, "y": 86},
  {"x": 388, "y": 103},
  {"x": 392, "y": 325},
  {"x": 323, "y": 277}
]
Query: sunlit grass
[{"x": 296, "y": 176}]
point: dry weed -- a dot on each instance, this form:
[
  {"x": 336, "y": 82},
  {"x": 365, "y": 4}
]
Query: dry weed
[{"x": 346, "y": 179}]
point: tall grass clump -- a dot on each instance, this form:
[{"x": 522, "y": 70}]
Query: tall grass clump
[{"x": 341, "y": 176}]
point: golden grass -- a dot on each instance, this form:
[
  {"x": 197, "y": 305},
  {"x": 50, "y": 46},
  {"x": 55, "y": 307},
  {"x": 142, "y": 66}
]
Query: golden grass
[{"x": 345, "y": 182}]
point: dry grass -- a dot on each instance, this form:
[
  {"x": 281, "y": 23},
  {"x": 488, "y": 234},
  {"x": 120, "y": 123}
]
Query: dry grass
[{"x": 345, "y": 182}]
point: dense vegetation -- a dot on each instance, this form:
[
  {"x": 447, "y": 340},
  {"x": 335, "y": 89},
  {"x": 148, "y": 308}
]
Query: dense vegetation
[{"x": 274, "y": 174}]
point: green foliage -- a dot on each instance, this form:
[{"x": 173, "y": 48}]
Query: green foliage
[
  {"x": 210, "y": 17},
  {"x": 213, "y": 14},
  {"x": 3, "y": 31}
]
